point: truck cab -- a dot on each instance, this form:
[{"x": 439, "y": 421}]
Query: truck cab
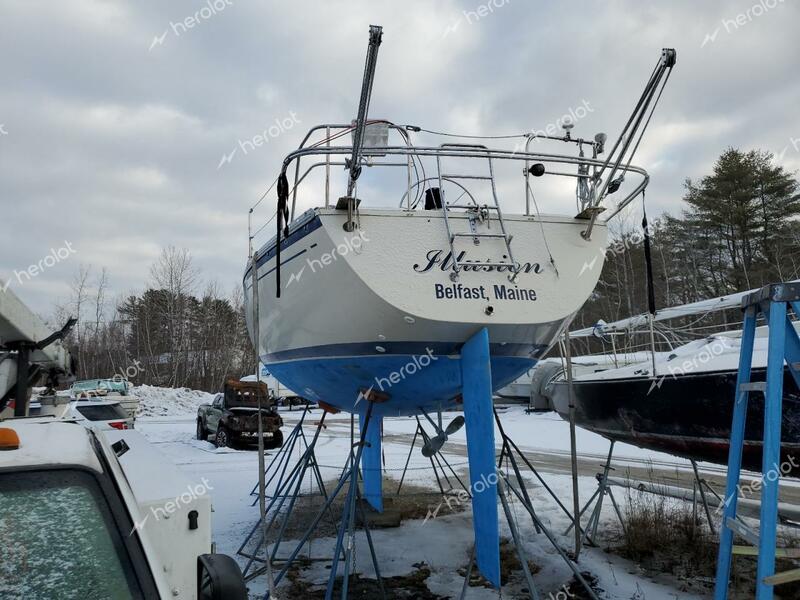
[{"x": 89, "y": 514}]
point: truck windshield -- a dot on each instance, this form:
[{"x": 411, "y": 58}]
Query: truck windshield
[
  {"x": 245, "y": 402},
  {"x": 58, "y": 539},
  {"x": 103, "y": 385}
]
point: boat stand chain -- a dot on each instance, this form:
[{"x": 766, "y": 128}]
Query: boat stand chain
[
  {"x": 346, "y": 529},
  {"x": 783, "y": 344},
  {"x": 506, "y": 490}
]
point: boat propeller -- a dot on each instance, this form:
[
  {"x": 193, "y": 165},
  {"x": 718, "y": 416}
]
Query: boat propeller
[{"x": 433, "y": 444}]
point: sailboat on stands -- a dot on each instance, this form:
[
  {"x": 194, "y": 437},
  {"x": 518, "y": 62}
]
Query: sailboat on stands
[
  {"x": 445, "y": 295},
  {"x": 678, "y": 400}
]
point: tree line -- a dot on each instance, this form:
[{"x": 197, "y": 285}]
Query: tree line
[
  {"x": 170, "y": 335},
  {"x": 738, "y": 231}
]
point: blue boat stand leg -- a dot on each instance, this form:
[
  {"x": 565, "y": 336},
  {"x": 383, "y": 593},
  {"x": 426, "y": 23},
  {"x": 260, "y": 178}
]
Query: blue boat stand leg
[
  {"x": 486, "y": 479},
  {"x": 772, "y": 302},
  {"x": 371, "y": 468},
  {"x": 476, "y": 382}
]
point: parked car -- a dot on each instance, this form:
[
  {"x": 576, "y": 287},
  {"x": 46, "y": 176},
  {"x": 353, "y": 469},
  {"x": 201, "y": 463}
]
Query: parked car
[
  {"x": 102, "y": 414},
  {"x": 232, "y": 417},
  {"x": 116, "y": 389}
]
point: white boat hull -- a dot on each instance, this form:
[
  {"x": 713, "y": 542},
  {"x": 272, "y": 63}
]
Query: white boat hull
[{"x": 376, "y": 308}]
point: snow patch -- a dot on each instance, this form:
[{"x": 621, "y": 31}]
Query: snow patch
[{"x": 169, "y": 402}]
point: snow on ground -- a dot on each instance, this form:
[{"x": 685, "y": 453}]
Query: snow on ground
[
  {"x": 442, "y": 542},
  {"x": 162, "y": 402}
]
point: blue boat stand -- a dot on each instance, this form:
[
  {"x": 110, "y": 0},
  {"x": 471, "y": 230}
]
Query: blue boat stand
[
  {"x": 487, "y": 481},
  {"x": 773, "y": 302}
]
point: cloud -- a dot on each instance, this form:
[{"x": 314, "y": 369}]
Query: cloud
[{"x": 119, "y": 144}]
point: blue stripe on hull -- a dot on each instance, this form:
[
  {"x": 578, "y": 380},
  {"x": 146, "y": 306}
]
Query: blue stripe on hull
[
  {"x": 526, "y": 350},
  {"x": 269, "y": 250},
  {"x": 411, "y": 381}
]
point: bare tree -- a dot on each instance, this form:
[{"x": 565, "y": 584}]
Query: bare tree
[
  {"x": 174, "y": 274},
  {"x": 78, "y": 301}
]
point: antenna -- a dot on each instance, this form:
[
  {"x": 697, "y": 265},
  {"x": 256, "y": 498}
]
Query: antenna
[
  {"x": 600, "y": 142},
  {"x": 567, "y": 126}
]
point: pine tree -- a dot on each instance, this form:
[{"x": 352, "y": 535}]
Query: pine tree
[{"x": 746, "y": 204}]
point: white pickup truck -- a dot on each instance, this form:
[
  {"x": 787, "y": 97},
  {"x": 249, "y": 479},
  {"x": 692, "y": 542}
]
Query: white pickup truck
[{"x": 89, "y": 514}]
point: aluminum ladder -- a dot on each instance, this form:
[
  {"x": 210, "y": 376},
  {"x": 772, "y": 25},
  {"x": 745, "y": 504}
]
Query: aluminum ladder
[
  {"x": 772, "y": 301},
  {"x": 476, "y": 214}
]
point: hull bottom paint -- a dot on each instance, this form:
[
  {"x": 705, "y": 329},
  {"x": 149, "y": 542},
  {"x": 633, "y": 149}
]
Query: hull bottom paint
[
  {"x": 688, "y": 416},
  {"x": 411, "y": 382}
]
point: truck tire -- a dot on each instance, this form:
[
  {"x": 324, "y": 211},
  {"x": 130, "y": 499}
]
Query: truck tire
[
  {"x": 222, "y": 439},
  {"x": 202, "y": 434}
]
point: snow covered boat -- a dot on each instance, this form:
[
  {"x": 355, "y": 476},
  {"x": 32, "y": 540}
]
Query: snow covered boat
[{"x": 679, "y": 401}]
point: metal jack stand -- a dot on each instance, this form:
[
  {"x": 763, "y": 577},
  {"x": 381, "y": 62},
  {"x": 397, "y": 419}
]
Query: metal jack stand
[
  {"x": 504, "y": 486},
  {"x": 345, "y": 539},
  {"x": 348, "y": 520},
  {"x": 772, "y": 301},
  {"x": 603, "y": 489},
  {"x": 702, "y": 486},
  {"x": 502, "y": 492},
  {"x": 280, "y": 462},
  {"x": 288, "y": 489},
  {"x": 509, "y": 447}
]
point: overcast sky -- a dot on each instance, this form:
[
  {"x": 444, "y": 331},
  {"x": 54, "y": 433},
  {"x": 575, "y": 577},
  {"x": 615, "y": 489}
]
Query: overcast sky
[{"x": 116, "y": 118}]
